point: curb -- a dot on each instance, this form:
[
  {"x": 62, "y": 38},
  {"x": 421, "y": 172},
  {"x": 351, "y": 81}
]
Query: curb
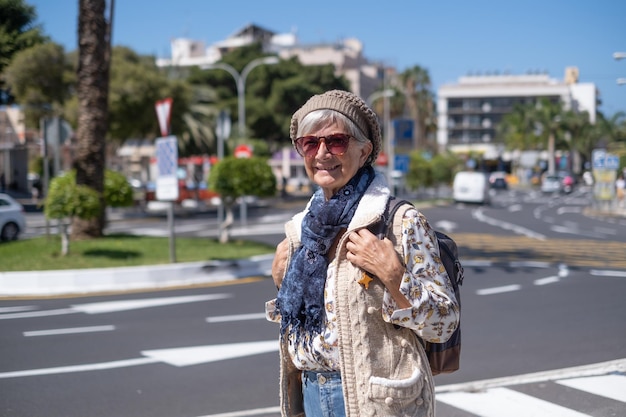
[{"x": 88, "y": 281}]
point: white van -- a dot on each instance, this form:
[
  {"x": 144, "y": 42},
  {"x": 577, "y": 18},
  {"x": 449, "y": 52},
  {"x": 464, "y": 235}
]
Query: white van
[{"x": 471, "y": 187}]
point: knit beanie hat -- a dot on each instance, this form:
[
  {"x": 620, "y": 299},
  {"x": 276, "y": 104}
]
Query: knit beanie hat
[{"x": 351, "y": 106}]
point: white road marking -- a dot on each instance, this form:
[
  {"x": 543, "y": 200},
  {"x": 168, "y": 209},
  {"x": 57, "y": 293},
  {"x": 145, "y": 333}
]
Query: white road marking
[
  {"x": 498, "y": 290},
  {"x": 595, "y": 369},
  {"x": 202, "y": 354},
  {"x": 45, "y": 313},
  {"x": 480, "y": 216},
  {"x": 78, "y": 368},
  {"x": 607, "y": 273},
  {"x": 492, "y": 402},
  {"x": 16, "y": 308},
  {"x": 236, "y": 317},
  {"x": 123, "y": 305},
  {"x": 113, "y": 306},
  {"x": 530, "y": 264},
  {"x": 247, "y": 413},
  {"x": 546, "y": 280},
  {"x": 184, "y": 356},
  {"x": 566, "y": 229},
  {"x": 569, "y": 209},
  {"x": 71, "y": 330},
  {"x": 609, "y": 386},
  {"x": 445, "y": 225}
]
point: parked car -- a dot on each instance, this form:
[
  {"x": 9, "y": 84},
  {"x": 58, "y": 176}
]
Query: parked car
[
  {"x": 551, "y": 184},
  {"x": 559, "y": 182},
  {"x": 497, "y": 180},
  {"x": 471, "y": 187},
  {"x": 12, "y": 220}
]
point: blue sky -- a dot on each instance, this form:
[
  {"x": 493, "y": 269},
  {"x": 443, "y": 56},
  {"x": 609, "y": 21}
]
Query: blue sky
[{"x": 448, "y": 38}]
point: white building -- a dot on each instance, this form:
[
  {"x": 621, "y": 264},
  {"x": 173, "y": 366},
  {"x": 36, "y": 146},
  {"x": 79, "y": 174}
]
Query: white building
[
  {"x": 470, "y": 111},
  {"x": 346, "y": 55}
]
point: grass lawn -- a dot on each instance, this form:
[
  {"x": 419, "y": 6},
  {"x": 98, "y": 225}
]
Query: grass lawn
[{"x": 44, "y": 253}]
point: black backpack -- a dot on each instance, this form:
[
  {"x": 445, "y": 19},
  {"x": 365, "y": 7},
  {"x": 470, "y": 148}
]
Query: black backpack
[{"x": 443, "y": 357}]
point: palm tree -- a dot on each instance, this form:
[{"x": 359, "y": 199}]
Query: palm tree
[
  {"x": 200, "y": 122},
  {"x": 517, "y": 129},
  {"x": 578, "y": 137},
  {"x": 419, "y": 102},
  {"x": 94, "y": 58},
  {"x": 548, "y": 116}
]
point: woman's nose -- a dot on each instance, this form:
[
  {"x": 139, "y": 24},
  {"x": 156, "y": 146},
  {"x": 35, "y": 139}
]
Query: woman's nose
[{"x": 322, "y": 151}]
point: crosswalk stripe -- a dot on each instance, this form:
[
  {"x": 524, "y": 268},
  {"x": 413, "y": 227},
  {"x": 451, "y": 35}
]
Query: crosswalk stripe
[
  {"x": 609, "y": 386},
  {"x": 498, "y": 290},
  {"x": 497, "y": 402}
]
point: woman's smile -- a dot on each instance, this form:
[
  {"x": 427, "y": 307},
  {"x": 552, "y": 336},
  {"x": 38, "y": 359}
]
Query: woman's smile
[{"x": 328, "y": 168}]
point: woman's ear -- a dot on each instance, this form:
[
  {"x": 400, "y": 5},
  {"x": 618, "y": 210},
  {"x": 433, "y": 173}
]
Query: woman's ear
[{"x": 366, "y": 150}]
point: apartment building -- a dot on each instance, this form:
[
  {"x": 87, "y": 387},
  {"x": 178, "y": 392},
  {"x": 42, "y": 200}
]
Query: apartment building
[{"x": 470, "y": 110}]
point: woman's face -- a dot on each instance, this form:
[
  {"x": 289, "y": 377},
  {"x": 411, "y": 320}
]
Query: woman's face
[{"x": 331, "y": 172}]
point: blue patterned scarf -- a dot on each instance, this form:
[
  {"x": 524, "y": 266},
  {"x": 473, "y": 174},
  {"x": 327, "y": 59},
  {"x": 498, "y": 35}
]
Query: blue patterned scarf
[{"x": 301, "y": 296}]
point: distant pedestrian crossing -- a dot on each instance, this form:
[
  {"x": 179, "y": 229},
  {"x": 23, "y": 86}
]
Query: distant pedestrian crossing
[
  {"x": 501, "y": 402},
  {"x": 558, "y": 394}
]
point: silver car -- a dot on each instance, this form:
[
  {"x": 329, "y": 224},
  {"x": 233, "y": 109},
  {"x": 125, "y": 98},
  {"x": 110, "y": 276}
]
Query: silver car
[
  {"x": 551, "y": 184},
  {"x": 12, "y": 220}
]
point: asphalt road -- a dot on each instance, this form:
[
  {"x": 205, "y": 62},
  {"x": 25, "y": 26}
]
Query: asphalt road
[{"x": 543, "y": 316}]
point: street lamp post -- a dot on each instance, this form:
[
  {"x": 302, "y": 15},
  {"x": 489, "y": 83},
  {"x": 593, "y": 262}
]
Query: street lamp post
[{"x": 240, "y": 81}]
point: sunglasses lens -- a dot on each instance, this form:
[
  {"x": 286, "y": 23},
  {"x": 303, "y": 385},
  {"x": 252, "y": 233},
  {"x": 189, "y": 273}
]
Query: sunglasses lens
[
  {"x": 336, "y": 144},
  {"x": 307, "y": 145}
]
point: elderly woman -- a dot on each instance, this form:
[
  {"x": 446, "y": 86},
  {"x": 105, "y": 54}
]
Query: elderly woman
[{"x": 351, "y": 309}]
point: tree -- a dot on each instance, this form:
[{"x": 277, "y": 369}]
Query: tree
[
  {"x": 443, "y": 167},
  {"x": 94, "y": 58},
  {"x": 136, "y": 83},
  {"x": 517, "y": 129},
  {"x": 198, "y": 135},
  {"x": 17, "y": 31},
  {"x": 419, "y": 98},
  {"x": 548, "y": 117},
  {"x": 66, "y": 201},
  {"x": 233, "y": 178},
  {"x": 272, "y": 92},
  {"x": 420, "y": 172},
  {"x": 48, "y": 64}
]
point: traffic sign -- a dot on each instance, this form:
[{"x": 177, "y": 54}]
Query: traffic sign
[
  {"x": 243, "y": 151},
  {"x": 401, "y": 163},
  {"x": 164, "y": 111},
  {"x": 612, "y": 162},
  {"x": 603, "y": 160},
  {"x": 167, "y": 165}
]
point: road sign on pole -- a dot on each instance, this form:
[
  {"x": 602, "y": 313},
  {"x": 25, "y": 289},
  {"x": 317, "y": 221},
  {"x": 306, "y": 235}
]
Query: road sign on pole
[
  {"x": 167, "y": 165},
  {"x": 164, "y": 112}
]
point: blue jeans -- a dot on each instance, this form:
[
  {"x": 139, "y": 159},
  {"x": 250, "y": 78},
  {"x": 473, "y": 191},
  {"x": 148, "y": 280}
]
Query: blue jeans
[{"x": 323, "y": 396}]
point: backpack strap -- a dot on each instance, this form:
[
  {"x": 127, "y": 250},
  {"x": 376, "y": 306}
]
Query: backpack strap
[{"x": 392, "y": 222}]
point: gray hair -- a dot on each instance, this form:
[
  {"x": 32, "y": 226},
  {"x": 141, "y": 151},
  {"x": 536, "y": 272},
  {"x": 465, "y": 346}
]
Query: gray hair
[{"x": 319, "y": 119}]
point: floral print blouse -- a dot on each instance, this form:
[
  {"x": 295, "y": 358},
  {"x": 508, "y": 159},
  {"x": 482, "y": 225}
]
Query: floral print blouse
[{"x": 425, "y": 284}]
